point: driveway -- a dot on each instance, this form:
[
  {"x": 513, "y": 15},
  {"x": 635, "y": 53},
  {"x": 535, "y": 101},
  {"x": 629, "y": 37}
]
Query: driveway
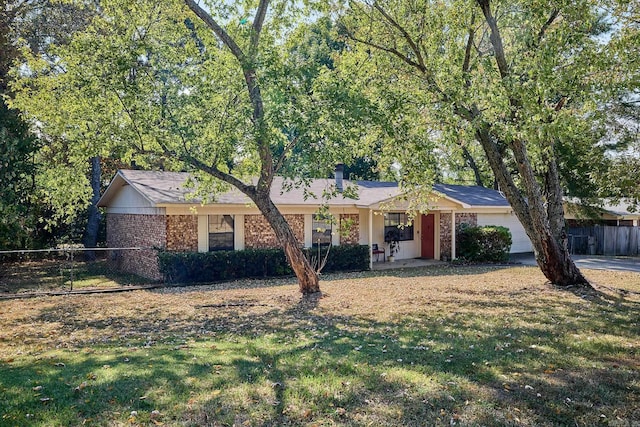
[{"x": 595, "y": 262}]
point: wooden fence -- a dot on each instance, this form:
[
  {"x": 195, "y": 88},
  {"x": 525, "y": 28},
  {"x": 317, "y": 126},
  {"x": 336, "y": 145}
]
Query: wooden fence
[{"x": 604, "y": 240}]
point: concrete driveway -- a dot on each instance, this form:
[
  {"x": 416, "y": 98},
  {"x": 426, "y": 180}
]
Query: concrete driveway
[{"x": 595, "y": 262}]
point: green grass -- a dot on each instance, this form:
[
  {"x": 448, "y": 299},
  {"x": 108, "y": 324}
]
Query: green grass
[{"x": 466, "y": 346}]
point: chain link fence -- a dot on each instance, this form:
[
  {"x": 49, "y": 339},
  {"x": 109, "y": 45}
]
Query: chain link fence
[{"x": 68, "y": 269}]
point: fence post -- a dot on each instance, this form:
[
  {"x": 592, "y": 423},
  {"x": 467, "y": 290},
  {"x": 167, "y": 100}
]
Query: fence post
[{"x": 71, "y": 273}]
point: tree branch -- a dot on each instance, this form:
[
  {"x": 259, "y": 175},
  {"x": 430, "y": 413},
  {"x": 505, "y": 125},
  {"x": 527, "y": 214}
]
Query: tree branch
[
  {"x": 257, "y": 23},
  {"x": 249, "y": 190},
  {"x": 390, "y": 50},
  {"x": 250, "y": 77},
  {"x": 133, "y": 121},
  {"x": 472, "y": 164},
  {"x": 554, "y": 15},
  {"x": 287, "y": 148},
  {"x": 405, "y": 34},
  {"x": 217, "y": 29},
  {"x": 495, "y": 37},
  {"x": 467, "y": 52}
]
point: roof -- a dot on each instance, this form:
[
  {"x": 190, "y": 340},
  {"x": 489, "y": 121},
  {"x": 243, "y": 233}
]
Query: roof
[
  {"x": 606, "y": 210},
  {"x": 473, "y": 195},
  {"x": 622, "y": 210},
  {"x": 168, "y": 188}
]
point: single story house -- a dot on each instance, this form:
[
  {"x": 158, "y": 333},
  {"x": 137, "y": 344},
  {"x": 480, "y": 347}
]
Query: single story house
[
  {"x": 616, "y": 215},
  {"x": 155, "y": 209}
]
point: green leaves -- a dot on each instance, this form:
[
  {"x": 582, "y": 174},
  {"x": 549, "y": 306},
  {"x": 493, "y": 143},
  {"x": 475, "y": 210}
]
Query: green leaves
[{"x": 562, "y": 64}]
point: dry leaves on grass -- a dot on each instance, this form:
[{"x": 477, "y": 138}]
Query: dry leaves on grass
[{"x": 181, "y": 313}]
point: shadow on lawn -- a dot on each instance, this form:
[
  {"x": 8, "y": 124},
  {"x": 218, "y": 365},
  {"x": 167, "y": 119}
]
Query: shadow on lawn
[
  {"x": 60, "y": 274},
  {"x": 297, "y": 365},
  {"x": 424, "y": 271},
  {"x": 420, "y": 372}
]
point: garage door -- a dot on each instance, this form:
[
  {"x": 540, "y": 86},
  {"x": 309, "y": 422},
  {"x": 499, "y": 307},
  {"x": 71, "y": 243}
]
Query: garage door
[{"x": 521, "y": 242}]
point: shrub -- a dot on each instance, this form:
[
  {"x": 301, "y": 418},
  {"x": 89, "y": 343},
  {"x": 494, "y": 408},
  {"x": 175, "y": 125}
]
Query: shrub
[
  {"x": 490, "y": 243},
  {"x": 343, "y": 258},
  {"x": 194, "y": 267}
]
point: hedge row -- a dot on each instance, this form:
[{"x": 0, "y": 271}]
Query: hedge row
[
  {"x": 194, "y": 267},
  {"x": 490, "y": 243}
]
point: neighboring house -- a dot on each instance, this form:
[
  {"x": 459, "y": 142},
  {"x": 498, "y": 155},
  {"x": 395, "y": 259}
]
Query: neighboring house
[
  {"x": 611, "y": 229},
  {"x": 617, "y": 215},
  {"x": 154, "y": 209}
]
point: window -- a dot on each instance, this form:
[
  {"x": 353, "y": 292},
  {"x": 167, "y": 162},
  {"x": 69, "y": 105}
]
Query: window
[
  {"x": 220, "y": 233},
  {"x": 322, "y": 228},
  {"x": 396, "y": 228}
]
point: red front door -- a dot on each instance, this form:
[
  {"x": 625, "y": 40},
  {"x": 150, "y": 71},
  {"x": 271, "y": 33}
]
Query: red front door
[{"x": 427, "y": 237}]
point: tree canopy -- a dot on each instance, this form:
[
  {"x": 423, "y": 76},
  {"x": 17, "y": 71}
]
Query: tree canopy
[
  {"x": 213, "y": 89},
  {"x": 527, "y": 82},
  {"x": 517, "y": 92}
]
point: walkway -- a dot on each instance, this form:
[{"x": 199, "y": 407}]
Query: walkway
[
  {"x": 582, "y": 261},
  {"x": 406, "y": 263},
  {"x": 594, "y": 262}
]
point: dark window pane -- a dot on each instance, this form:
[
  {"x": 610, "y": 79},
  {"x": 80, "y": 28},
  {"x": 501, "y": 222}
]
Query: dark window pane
[
  {"x": 220, "y": 224},
  {"x": 220, "y": 241},
  {"x": 221, "y": 233},
  {"x": 396, "y": 228},
  {"x": 321, "y": 231}
]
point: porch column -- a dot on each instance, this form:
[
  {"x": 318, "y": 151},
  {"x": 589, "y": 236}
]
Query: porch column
[
  {"x": 370, "y": 239},
  {"x": 453, "y": 235},
  {"x": 203, "y": 233}
]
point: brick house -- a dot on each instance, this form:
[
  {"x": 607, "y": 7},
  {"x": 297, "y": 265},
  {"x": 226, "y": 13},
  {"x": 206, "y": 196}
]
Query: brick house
[{"x": 153, "y": 209}]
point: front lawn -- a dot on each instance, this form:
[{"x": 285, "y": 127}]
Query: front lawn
[{"x": 433, "y": 346}]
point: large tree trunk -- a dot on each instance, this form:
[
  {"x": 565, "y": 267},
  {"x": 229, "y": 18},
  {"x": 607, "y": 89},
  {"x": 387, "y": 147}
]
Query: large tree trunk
[
  {"x": 90, "y": 238},
  {"x": 545, "y": 227},
  {"x": 260, "y": 194},
  {"x": 308, "y": 279}
]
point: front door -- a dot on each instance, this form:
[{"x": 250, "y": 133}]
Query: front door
[{"x": 427, "y": 237}]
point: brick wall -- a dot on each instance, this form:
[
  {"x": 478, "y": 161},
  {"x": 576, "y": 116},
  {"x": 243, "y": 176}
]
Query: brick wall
[
  {"x": 182, "y": 233},
  {"x": 353, "y": 237},
  {"x": 466, "y": 218},
  {"x": 258, "y": 234},
  {"x": 445, "y": 236},
  {"x": 445, "y": 230},
  {"x": 127, "y": 230}
]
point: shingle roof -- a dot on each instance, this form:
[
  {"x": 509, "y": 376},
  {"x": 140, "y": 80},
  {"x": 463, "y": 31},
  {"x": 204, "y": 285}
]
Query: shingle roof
[
  {"x": 163, "y": 188},
  {"x": 472, "y": 195},
  {"x": 619, "y": 210}
]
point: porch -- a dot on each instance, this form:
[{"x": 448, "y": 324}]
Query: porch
[{"x": 405, "y": 263}]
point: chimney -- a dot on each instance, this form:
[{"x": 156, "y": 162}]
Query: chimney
[{"x": 339, "y": 176}]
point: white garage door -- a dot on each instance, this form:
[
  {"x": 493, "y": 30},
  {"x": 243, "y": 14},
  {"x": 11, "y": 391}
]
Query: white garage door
[{"x": 520, "y": 241}]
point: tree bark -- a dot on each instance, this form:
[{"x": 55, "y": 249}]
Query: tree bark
[
  {"x": 473, "y": 165},
  {"x": 308, "y": 280},
  {"x": 544, "y": 227},
  {"x": 90, "y": 238},
  {"x": 260, "y": 194}
]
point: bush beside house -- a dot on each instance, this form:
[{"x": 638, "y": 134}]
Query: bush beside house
[
  {"x": 195, "y": 267},
  {"x": 489, "y": 243}
]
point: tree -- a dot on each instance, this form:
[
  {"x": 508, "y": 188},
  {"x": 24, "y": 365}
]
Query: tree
[
  {"x": 186, "y": 87},
  {"x": 247, "y": 58},
  {"x": 522, "y": 79},
  {"x": 339, "y": 118},
  {"x": 17, "y": 145},
  {"x": 36, "y": 207}
]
